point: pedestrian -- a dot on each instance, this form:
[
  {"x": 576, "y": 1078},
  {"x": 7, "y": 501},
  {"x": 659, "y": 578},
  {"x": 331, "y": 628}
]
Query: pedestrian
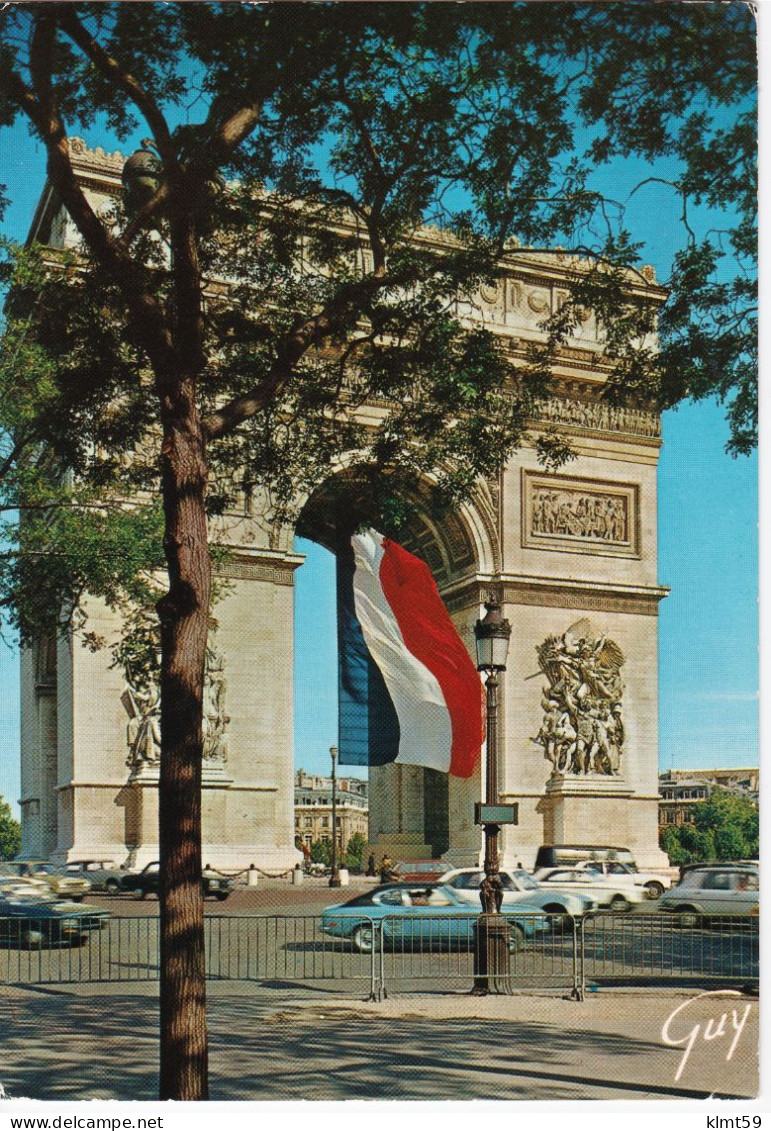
[
  {"x": 387, "y": 871},
  {"x": 371, "y": 871}
]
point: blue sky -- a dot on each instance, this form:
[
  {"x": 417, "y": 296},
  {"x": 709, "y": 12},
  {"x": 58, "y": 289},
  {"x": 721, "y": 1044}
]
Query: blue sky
[{"x": 707, "y": 552}]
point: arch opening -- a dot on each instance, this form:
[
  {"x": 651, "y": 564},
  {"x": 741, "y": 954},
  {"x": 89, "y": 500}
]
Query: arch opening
[{"x": 410, "y": 806}]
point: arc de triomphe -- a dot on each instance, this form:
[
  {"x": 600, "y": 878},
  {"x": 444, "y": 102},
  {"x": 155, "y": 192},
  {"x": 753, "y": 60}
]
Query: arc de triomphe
[{"x": 571, "y": 555}]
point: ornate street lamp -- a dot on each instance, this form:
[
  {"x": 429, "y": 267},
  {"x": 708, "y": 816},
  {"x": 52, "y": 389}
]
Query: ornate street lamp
[
  {"x": 334, "y": 876},
  {"x": 141, "y": 176},
  {"x": 492, "y": 635}
]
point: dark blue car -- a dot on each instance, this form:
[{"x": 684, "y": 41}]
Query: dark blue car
[{"x": 28, "y": 923}]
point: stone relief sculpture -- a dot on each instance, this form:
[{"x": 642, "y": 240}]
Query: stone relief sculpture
[
  {"x": 215, "y": 721},
  {"x": 582, "y": 730},
  {"x": 579, "y": 514},
  {"x": 142, "y": 703}
]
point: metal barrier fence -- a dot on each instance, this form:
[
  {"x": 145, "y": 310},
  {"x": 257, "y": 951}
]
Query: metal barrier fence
[
  {"x": 397, "y": 954},
  {"x": 661, "y": 947},
  {"x": 543, "y": 953}
]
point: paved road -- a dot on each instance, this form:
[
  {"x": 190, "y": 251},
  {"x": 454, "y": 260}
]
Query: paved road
[
  {"x": 272, "y": 897},
  {"x": 289, "y": 949}
]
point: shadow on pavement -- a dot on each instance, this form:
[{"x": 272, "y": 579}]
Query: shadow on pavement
[{"x": 59, "y": 1046}]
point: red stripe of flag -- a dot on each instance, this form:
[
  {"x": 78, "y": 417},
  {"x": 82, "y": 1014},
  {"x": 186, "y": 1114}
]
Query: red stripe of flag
[{"x": 431, "y": 637}]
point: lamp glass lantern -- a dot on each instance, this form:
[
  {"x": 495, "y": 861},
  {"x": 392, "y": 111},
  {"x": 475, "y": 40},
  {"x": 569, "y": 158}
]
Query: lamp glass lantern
[{"x": 492, "y": 635}]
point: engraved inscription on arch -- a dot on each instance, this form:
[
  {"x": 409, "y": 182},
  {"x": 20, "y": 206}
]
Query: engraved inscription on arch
[{"x": 580, "y": 515}]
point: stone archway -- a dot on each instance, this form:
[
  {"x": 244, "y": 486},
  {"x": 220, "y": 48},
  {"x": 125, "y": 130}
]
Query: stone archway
[{"x": 559, "y": 548}]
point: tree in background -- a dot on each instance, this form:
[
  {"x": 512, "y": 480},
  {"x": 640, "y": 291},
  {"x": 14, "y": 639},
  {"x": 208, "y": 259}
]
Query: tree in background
[
  {"x": 725, "y": 827},
  {"x": 298, "y": 152},
  {"x": 10, "y": 832},
  {"x": 354, "y": 853},
  {"x": 321, "y": 853}
]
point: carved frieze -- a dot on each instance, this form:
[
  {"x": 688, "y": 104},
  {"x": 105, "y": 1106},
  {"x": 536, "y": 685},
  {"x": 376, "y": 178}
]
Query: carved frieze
[
  {"x": 579, "y": 515},
  {"x": 598, "y": 416}
]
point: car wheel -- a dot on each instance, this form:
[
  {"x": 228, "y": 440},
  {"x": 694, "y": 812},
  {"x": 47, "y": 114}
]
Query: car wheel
[
  {"x": 654, "y": 890},
  {"x": 687, "y": 917},
  {"x": 619, "y": 904},
  {"x": 363, "y": 939},
  {"x": 78, "y": 940},
  {"x": 516, "y": 938},
  {"x": 222, "y": 895},
  {"x": 558, "y": 916},
  {"x": 31, "y": 940},
  {"x": 112, "y": 886}
]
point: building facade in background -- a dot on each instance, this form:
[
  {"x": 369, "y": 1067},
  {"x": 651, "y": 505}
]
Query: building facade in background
[
  {"x": 313, "y": 809},
  {"x": 570, "y": 555},
  {"x": 681, "y": 790}
]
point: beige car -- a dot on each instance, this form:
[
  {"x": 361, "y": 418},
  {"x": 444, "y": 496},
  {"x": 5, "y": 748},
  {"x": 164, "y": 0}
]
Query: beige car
[{"x": 46, "y": 877}]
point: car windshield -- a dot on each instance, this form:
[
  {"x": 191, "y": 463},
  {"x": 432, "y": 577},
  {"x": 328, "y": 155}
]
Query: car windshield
[
  {"x": 692, "y": 880},
  {"x": 365, "y": 899}
]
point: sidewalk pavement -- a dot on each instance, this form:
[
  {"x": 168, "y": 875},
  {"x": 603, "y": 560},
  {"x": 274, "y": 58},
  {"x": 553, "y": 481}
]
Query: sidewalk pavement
[{"x": 82, "y": 1043}]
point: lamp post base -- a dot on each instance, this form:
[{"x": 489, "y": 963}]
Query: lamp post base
[{"x": 492, "y": 935}]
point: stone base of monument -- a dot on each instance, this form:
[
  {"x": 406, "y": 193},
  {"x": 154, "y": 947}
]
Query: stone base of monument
[
  {"x": 603, "y": 810},
  {"x": 401, "y": 846},
  {"x": 585, "y": 808},
  {"x": 492, "y": 973}
]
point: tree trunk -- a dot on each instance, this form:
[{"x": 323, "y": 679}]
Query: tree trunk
[{"x": 184, "y": 617}]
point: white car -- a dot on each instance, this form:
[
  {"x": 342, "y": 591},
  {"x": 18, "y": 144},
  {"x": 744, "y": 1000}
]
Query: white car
[
  {"x": 518, "y": 887},
  {"x": 605, "y": 890},
  {"x": 653, "y": 884}
]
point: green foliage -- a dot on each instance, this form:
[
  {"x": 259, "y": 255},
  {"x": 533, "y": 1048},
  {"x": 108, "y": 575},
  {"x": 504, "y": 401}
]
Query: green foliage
[
  {"x": 10, "y": 832},
  {"x": 726, "y": 827},
  {"x": 354, "y": 853},
  {"x": 323, "y": 141},
  {"x": 321, "y": 852}
]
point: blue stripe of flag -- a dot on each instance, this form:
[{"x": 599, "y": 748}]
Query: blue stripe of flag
[{"x": 368, "y": 726}]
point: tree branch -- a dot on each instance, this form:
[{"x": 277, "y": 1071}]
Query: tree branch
[
  {"x": 351, "y": 296},
  {"x": 116, "y": 74}
]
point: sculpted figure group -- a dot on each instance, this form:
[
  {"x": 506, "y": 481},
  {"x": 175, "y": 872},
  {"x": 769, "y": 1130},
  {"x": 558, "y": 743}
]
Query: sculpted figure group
[
  {"x": 579, "y": 514},
  {"x": 582, "y": 730},
  {"x": 142, "y": 702}
]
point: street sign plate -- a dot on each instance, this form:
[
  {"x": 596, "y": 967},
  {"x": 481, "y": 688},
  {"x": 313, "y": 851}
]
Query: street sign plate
[{"x": 496, "y": 814}]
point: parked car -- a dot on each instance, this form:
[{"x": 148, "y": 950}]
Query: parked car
[
  {"x": 714, "y": 890},
  {"x": 43, "y": 875},
  {"x": 653, "y": 884},
  {"x": 608, "y": 894},
  {"x": 103, "y": 875},
  {"x": 148, "y": 882},
  {"x": 31, "y": 923},
  {"x": 413, "y": 871},
  {"x": 568, "y": 855},
  {"x": 518, "y": 887},
  {"x": 432, "y": 916}
]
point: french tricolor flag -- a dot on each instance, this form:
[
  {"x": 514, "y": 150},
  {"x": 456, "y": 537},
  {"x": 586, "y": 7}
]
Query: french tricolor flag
[{"x": 409, "y": 691}]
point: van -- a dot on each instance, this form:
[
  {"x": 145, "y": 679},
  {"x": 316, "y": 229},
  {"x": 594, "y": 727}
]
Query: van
[{"x": 567, "y": 855}]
